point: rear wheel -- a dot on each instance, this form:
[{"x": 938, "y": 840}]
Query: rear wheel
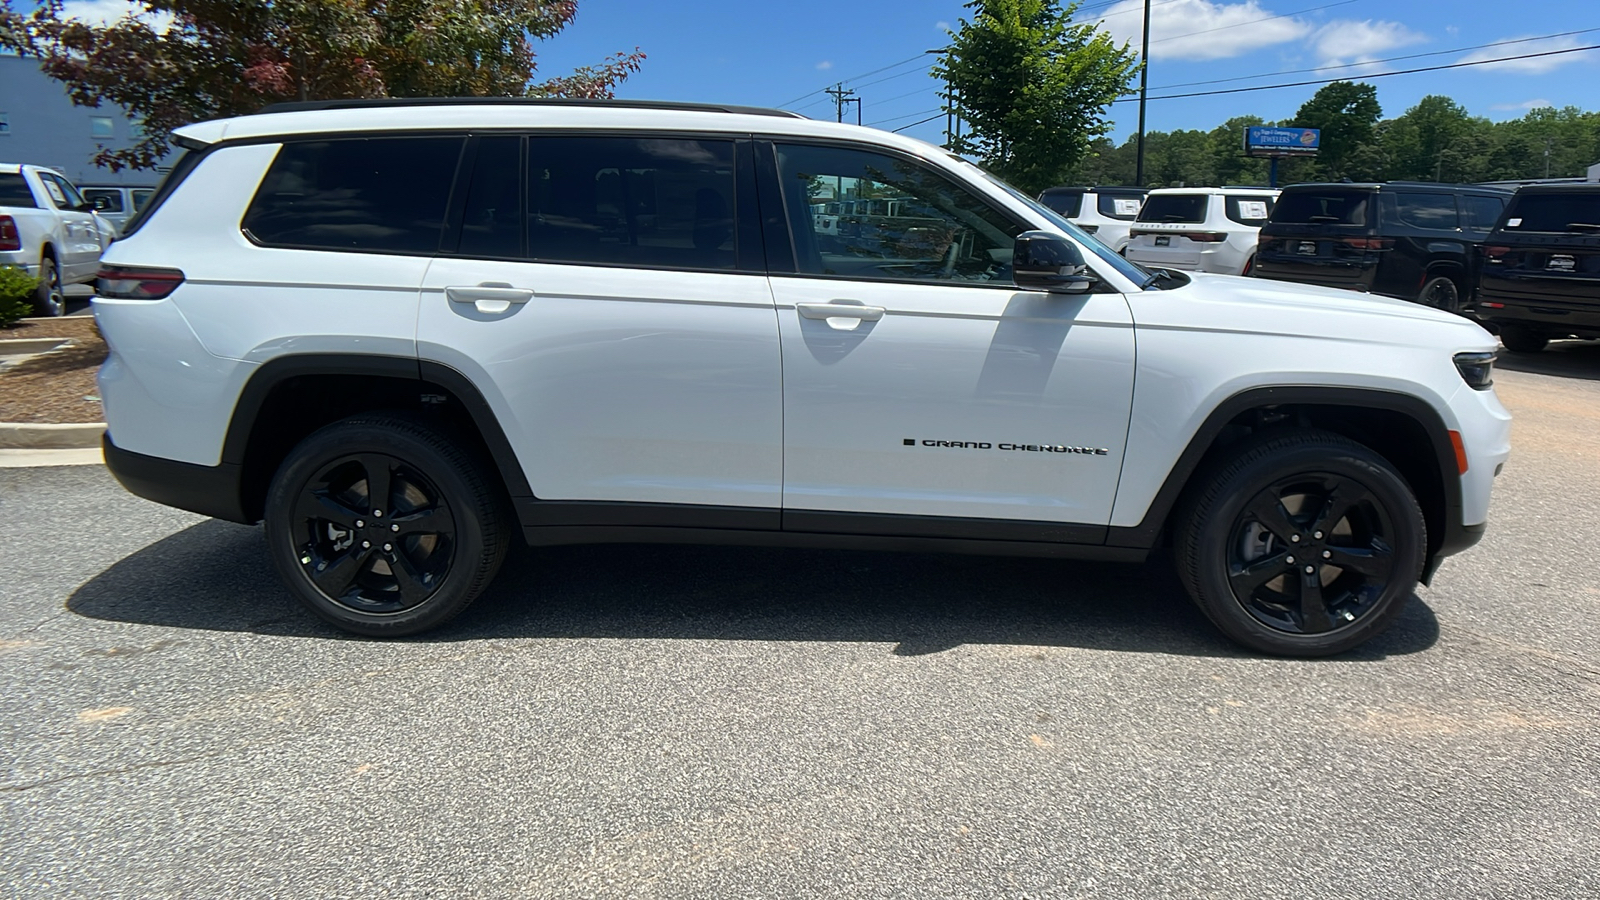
[
  {"x": 1521, "y": 339},
  {"x": 50, "y": 299},
  {"x": 1304, "y": 544},
  {"x": 1441, "y": 293},
  {"x": 383, "y": 526}
]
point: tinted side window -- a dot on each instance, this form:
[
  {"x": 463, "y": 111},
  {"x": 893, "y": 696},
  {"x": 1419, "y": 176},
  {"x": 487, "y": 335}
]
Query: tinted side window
[
  {"x": 1427, "y": 210},
  {"x": 374, "y": 194},
  {"x": 1175, "y": 208},
  {"x": 1482, "y": 212},
  {"x": 657, "y": 202},
  {"x": 104, "y": 199},
  {"x": 14, "y": 192},
  {"x": 1329, "y": 206},
  {"x": 491, "y": 223},
  {"x": 895, "y": 219},
  {"x": 1067, "y": 203},
  {"x": 72, "y": 200},
  {"x": 1554, "y": 212},
  {"x": 140, "y": 198},
  {"x": 1121, "y": 206},
  {"x": 1249, "y": 210}
]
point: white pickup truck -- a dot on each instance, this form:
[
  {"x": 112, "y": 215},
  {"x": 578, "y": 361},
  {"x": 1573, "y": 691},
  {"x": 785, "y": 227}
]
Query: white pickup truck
[{"x": 50, "y": 231}]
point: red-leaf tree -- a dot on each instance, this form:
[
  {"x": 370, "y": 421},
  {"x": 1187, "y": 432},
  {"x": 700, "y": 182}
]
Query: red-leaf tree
[{"x": 172, "y": 62}]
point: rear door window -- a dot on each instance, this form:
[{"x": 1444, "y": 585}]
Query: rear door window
[
  {"x": 1067, "y": 203},
  {"x": 14, "y": 191},
  {"x": 1575, "y": 212},
  {"x": 1249, "y": 210},
  {"x": 1121, "y": 206},
  {"x": 140, "y": 198},
  {"x": 1482, "y": 212},
  {"x": 104, "y": 199},
  {"x": 1323, "y": 207},
  {"x": 1420, "y": 210},
  {"x": 377, "y": 195},
  {"x": 1175, "y": 208},
  {"x": 623, "y": 201}
]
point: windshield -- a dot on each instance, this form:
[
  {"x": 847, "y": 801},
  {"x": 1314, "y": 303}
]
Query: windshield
[
  {"x": 1131, "y": 271},
  {"x": 1577, "y": 212},
  {"x": 1188, "y": 208}
]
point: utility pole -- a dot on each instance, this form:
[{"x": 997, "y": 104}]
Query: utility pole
[
  {"x": 842, "y": 95},
  {"x": 1144, "y": 90}
]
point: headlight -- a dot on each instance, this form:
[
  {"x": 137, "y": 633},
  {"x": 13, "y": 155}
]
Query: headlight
[{"x": 1477, "y": 369}]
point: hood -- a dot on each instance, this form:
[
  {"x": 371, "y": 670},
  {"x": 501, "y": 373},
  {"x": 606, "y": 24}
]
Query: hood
[{"x": 1263, "y": 306}]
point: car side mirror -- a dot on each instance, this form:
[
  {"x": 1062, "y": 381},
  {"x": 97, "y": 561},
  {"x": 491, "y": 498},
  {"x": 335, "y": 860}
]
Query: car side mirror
[
  {"x": 1046, "y": 261},
  {"x": 98, "y": 204}
]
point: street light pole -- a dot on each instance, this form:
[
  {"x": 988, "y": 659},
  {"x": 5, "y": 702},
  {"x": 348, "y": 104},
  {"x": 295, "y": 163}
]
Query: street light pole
[{"x": 1144, "y": 90}]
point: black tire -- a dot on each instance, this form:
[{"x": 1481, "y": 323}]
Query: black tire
[
  {"x": 1242, "y": 554},
  {"x": 1520, "y": 339},
  {"x": 49, "y": 299},
  {"x": 385, "y": 572},
  {"x": 1441, "y": 292}
]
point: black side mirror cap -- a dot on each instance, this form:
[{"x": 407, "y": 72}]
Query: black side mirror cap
[{"x": 1046, "y": 261}]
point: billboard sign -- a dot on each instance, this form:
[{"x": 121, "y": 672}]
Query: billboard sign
[{"x": 1262, "y": 140}]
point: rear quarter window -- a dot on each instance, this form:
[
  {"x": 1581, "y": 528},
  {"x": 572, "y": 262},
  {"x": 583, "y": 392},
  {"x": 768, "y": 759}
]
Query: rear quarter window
[
  {"x": 14, "y": 192},
  {"x": 1482, "y": 212},
  {"x": 1067, "y": 203},
  {"x": 1120, "y": 206},
  {"x": 1249, "y": 210},
  {"x": 1175, "y": 208},
  {"x": 382, "y": 195},
  {"x": 1420, "y": 210},
  {"x": 1323, "y": 207},
  {"x": 1554, "y": 213}
]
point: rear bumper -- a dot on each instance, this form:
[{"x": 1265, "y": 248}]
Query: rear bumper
[
  {"x": 208, "y": 490},
  {"x": 1558, "y": 317},
  {"x": 1336, "y": 275}
]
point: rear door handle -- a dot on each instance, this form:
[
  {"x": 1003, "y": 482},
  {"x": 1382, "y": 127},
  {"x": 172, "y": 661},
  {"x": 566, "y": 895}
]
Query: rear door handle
[
  {"x": 490, "y": 297},
  {"x": 844, "y": 315}
]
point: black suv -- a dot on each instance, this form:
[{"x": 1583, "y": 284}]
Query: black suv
[
  {"x": 1412, "y": 240},
  {"x": 1541, "y": 267}
]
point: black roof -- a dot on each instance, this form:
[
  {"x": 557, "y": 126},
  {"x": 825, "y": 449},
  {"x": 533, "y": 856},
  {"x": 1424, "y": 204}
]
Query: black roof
[
  {"x": 1583, "y": 187},
  {"x": 1379, "y": 185},
  {"x": 1099, "y": 189},
  {"x": 380, "y": 102}
]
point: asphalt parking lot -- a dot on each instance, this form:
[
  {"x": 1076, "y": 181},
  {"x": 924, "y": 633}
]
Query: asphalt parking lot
[{"x": 712, "y": 722}]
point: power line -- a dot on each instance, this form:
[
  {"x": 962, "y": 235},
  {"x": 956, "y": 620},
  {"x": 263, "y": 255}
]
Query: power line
[
  {"x": 907, "y": 116},
  {"x": 915, "y": 124},
  {"x": 1287, "y": 84},
  {"x": 1370, "y": 62},
  {"x": 854, "y": 77}
]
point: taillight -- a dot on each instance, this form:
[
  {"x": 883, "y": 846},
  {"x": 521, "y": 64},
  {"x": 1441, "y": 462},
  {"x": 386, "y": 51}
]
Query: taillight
[
  {"x": 1494, "y": 252},
  {"x": 136, "y": 282},
  {"x": 1361, "y": 243},
  {"x": 1205, "y": 237},
  {"x": 9, "y": 238}
]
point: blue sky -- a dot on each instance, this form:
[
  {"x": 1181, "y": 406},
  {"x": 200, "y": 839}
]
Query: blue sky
[{"x": 768, "y": 53}]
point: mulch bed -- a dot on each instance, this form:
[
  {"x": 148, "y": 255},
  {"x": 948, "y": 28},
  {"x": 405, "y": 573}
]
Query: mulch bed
[{"x": 59, "y": 386}]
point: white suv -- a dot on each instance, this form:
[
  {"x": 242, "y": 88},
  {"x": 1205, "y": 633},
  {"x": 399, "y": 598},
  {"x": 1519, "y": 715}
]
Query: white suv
[
  {"x": 1201, "y": 229},
  {"x": 404, "y": 332},
  {"x": 1105, "y": 212}
]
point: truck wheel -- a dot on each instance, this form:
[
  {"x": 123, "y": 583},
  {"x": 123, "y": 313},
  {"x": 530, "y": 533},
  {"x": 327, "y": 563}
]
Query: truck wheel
[
  {"x": 1302, "y": 544},
  {"x": 1520, "y": 339},
  {"x": 49, "y": 299},
  {"x": 1441, "y": 293},
  {"x": 384, "y": 526}
]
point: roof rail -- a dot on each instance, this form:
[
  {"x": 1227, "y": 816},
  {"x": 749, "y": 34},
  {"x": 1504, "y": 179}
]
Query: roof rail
[{"x": 385, "y": 102}]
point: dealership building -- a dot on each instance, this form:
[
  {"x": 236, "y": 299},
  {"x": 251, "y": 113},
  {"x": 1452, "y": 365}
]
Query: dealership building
[{"x": 40, "y": 125}]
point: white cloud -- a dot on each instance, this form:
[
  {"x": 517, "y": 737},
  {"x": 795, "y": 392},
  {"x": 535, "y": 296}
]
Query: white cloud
[
  {"x": 1349, "y": 41},
  {"x": 1524, "y": 105},
  {"x": 105, "y": 12},
  {"x": 1537, "y": 66},
  {"x": 1200, "y": 29},
  {"x": 825, "y": 65},
  {"x": 941, "y": 26}
]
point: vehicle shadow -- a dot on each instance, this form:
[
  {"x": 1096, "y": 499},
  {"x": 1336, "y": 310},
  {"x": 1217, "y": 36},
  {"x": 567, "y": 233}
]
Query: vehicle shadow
[
  {"x": 919, "y": 603},
  {"x": 1567, "y": 359}
]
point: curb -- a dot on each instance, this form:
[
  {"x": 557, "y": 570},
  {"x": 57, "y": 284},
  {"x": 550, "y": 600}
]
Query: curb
[{"x": 28, "y": 436}]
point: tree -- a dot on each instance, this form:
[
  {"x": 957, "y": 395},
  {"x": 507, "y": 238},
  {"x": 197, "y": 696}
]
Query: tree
[
  {"x": 1346, "y": 113},
  {"x": 178, "y": 61},
  {"x": 1032, "y": 87}
]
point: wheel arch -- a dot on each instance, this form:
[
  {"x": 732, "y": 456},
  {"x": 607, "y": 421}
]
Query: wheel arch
[
  {"x": 1404, "y": 429},
  {"x": 289, "y": 397}
]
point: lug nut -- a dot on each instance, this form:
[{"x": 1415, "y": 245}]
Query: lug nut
[
  {"x": 1327, "y": 554},
  {"x": 394, "y": 527},
  {"x": 1310, "y": 569},
  {"x": 366, "y": 545},
  {"x": 1296, "y": 539},
  {"x": 360, "y": 524},
  {"x": 377, "y": 514},
  {"x": 1291, "y": 560},
  {"x": 387, "y": 548},
  {"x": 1318, "y": 535}
]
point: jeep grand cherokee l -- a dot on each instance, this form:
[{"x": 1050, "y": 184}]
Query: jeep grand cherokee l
[{"x": 401, "y": 333}]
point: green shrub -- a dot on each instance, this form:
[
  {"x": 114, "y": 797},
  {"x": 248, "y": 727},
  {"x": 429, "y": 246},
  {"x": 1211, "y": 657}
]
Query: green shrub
[{"x": 16, "y": 294}]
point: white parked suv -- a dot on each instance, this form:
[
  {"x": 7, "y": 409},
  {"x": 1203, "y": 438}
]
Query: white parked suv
[
  {"x": 1105, "y": 212},
  {"x": 49, "y": 230},
  {"x": 403, "y": 333},
  {"x": 1201, "y": 229}
]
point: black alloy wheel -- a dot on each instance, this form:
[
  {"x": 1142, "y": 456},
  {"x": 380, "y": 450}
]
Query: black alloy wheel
[
  {"x": 385, "y": 525},
  {"x": 1301, "y": 543},
  {"x": 375, "y": 535},
  {"x": 1441, "y": 293}
]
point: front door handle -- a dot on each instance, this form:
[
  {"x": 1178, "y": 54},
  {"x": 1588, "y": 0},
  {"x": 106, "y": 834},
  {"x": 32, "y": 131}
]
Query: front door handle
[
  {"x": 490, "y": 297},
  {"x": 844, "y": 315}
]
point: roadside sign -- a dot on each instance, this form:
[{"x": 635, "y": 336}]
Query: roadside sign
[{"x": 1262, "y": 140}]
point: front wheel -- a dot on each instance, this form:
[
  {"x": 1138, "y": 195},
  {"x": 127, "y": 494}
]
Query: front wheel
[
  {"x": 1519, "y": 339},
  {"x": 384, "y": 526},
  {"x": 1303, "y": 544},
  {"x": 1440, "y": 293}
]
